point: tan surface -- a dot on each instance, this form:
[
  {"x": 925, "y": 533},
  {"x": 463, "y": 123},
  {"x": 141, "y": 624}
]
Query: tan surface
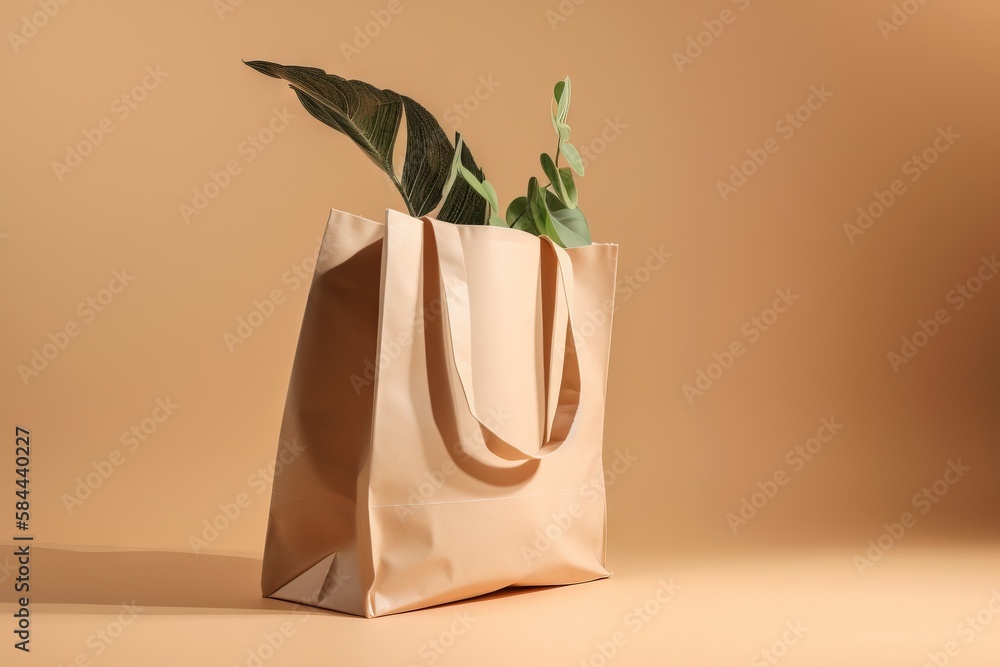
[
  {"x": 654, "y": 185},
  {"x": 710, "y": 611}
]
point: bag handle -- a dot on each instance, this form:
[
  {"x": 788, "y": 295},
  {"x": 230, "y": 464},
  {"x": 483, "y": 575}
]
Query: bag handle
[{"x": 562, "y": 400}]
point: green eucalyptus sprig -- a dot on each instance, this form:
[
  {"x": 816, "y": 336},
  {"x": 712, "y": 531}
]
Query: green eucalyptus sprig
[{"x": 552, "y": 209}]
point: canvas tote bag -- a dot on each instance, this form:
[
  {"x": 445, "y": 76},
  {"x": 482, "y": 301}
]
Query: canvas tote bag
[{"x": 442, "y": 434}]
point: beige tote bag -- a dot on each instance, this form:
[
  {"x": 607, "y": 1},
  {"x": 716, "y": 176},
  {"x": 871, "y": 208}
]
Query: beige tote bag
[{"x": 443, "y": 429}]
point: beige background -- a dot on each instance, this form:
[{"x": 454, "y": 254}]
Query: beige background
[{"x": 651, "y": 184}]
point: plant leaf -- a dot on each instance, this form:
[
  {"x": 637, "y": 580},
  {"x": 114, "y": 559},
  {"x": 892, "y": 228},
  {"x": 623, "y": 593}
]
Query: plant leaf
[
  {"x": 572, "y": 156},
  {"x": 561, "y": 180},
  {"x": 561, "y": 128},
  {"x": 570, "y": 223},
  {"x": 371, "y": 118},
  {"x": 563, "y": 96},
  {"x": 519, "y": 216},
  {"x": 540, "y": 211},
  {"x": 483, "y": 189},
  {"x": 563, "y": 93},
  {"x": 456, "y": 161},
  {"x": 487, "y": 192},
  {"x": 491, "y": 196},
  {"x": 461, "y": 203},
  {"x": 427, "y": 159}
]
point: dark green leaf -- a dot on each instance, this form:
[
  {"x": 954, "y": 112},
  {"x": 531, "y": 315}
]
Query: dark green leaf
[
  {"x": 519, "y": 216},
  {"x": 559, "y": 90},
  {"x": 371, "y": 118}
]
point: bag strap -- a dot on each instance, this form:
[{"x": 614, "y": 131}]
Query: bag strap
[{"x": 562, "y": 400}]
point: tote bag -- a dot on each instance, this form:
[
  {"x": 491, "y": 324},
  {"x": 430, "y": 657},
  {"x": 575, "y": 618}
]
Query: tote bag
[{"x": 442, "y": 433}]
